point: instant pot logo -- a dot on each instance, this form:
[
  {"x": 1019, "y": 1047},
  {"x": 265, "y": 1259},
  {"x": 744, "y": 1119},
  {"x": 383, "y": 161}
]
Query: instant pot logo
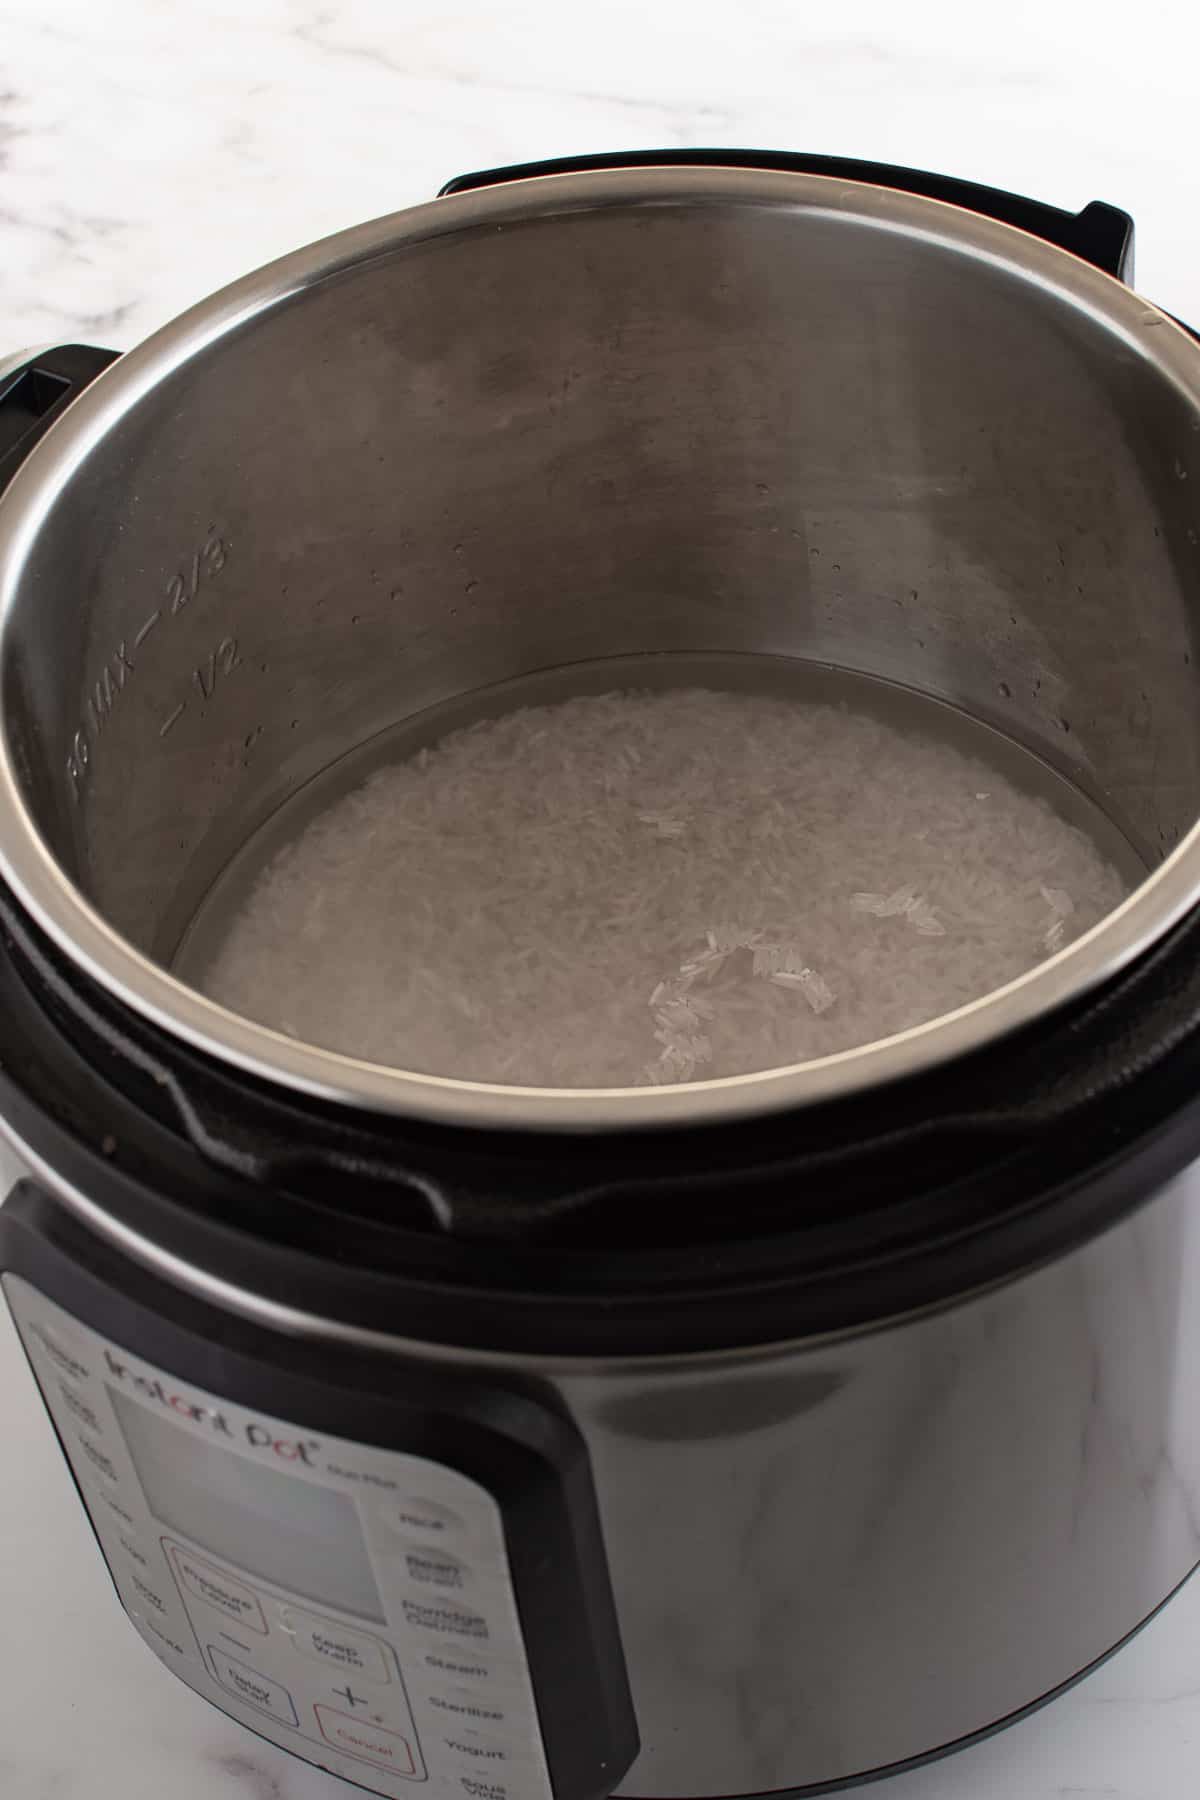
[{"x": 258, "y": 1437}]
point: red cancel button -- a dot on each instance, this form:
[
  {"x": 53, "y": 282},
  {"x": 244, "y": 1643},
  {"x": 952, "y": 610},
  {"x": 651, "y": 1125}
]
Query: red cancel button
[{"x": 385, "y": 1748}]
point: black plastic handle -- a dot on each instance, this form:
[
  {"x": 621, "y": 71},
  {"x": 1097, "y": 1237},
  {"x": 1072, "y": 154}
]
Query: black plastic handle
[
  {"x": 1100, "y": 234},
  {"x": 33, "y": 395}
]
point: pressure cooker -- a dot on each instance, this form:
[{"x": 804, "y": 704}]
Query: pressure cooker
[{"x": 725, "y": 1438}]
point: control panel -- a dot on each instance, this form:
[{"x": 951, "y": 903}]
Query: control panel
[{"x": 352, "y": 1603}]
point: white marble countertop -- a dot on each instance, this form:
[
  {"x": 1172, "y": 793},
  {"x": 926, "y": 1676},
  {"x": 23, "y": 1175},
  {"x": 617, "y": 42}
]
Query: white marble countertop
[{"x": 150, "y": 152}]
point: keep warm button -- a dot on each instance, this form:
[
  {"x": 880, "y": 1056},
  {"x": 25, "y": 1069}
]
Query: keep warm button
[
  {"x": 328, "y": 1642},
  {"x": 386, "y": 1749}
]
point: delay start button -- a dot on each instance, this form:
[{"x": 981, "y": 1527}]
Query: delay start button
[{"x": 256, "y": 1690}]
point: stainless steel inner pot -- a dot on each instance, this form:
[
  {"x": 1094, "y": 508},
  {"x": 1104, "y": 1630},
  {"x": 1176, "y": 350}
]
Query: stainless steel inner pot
[{"x": 581, "y": 417}]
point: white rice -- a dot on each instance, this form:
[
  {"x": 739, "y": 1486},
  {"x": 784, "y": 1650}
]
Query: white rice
[{"x": 656, "y": 887}]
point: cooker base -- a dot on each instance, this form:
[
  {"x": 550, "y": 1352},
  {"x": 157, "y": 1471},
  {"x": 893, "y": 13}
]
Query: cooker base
[{"x": 846, "y": 1782}]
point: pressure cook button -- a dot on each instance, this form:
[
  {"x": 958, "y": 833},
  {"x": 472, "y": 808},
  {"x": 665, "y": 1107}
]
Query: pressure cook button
[
  {"x": 253, "y": 1689},
  {"x": 217, "y": 1589},
  {"x": 386, "y": 1749},
  {"x": 326, "y": 1641}
]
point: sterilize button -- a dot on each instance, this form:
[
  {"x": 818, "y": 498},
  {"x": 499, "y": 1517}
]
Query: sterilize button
[{"x": 467, "y": 1707}]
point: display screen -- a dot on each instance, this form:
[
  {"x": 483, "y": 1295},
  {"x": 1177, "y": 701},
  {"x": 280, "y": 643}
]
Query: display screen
[{"x": 295, "y": 1534}]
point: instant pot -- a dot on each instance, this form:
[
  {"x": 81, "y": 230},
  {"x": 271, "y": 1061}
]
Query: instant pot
[{"x": 728, "y": 1438}]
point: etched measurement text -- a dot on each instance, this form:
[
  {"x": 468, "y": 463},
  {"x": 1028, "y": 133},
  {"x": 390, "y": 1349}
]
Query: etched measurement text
[{"x": 120, "y": 667}]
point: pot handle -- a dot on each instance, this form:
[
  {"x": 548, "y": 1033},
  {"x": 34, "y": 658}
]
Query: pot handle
[
  {"x": 1100, "y": 234},
  {"x": 35, "y": 389}
]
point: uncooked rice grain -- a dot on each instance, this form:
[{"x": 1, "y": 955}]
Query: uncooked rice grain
[{"x": 656, "y": 887}]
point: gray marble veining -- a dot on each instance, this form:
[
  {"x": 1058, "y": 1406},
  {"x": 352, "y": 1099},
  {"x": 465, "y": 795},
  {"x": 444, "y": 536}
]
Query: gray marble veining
[{"x": 149, "y": 155}]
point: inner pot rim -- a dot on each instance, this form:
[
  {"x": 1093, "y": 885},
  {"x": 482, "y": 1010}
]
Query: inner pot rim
[{"x": 29, "y": 868}]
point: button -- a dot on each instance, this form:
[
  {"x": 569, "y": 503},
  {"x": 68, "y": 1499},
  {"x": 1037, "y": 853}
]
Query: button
[
  {"x": 428, "y": 1518},
  {"x": 351, "y": 1698},
  {"x": 154, "y": 1601},
  {"x": 466, "y": 1705},
  {"x": 479, "y": 1788},
  {"x": 79, "y": 1409},
  {"x": 160, "y": 1636},
  {"x": 457, "y": 1664},
  {"x": 217, "y": 1589},
  {"x": 434, "y": 1568},
  {"x": 440, "y": 1617},
  {"x": 60, "y": 1353},
  {"x": 115, "y": 1506},
  {"x": 485, "y": 1753},
  {"x": 386, "y": 1749},
  {"x": 132, "y": 1550},
  {"x": 252, "y": 1688},
  {"x": 326, "y": 1641},
  {"x": 102, "y": 1464}
]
